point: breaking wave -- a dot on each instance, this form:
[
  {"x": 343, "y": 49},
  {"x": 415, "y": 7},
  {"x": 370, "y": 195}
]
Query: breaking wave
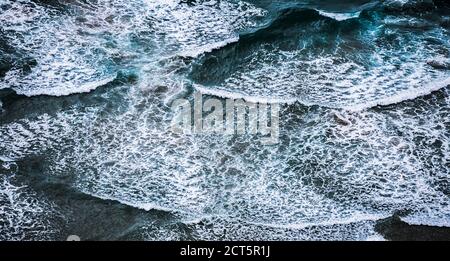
[
  {"x": 310, "y": 58},
  {"x": 342, "y": 162}
]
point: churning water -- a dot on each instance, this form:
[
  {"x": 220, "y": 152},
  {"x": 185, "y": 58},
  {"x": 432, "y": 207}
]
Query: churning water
[{"x": 86, "y": 146}]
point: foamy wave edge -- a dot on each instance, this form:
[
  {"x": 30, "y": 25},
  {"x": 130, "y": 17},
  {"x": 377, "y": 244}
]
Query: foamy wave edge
[
  {"x": 142, "y": 206},
  {"x": 339, "y": 16},
  {"x": 59, "y": 92},
  {"x": 401, "y": 96},
  {"x": 397, "y": 98},
  {"x": 251, "y": 99},
  {"x": 298, "y": 226}
]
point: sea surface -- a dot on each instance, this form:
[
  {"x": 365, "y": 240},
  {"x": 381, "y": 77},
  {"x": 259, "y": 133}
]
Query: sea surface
[{"x": 86, "y": 148}]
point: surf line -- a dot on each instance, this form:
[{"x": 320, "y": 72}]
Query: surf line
[{"x": 229, "y": 117}]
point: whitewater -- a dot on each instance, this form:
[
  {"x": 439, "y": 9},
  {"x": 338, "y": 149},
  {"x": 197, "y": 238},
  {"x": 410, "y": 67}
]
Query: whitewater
[{"x": 86, "y": 146}]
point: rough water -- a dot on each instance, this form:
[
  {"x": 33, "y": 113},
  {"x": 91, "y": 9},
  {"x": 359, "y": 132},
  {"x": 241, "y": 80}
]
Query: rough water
[{"x": 85, "y": 100}]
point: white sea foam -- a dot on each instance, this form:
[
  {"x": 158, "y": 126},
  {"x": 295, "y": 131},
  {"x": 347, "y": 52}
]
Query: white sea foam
[
  {"x": 231, "y": 95},
  {"x": 22, "y": 215},
  {"x": 331, "y": 182},
  {"x": 375, "y": 237},
  {"x": 72, "y": 52},
  {"x": 5, "y": 159},
  {"x": 403, "y": 96},
  {"x": 339, "y": 77},
  {"x": 208, "y": 48},
  {"x": 323, "y": 181},
  {"x": 339, "y": 16},
  {"x": 355, "y": 218},
  {"x": 397, "y": 98},
  {"x": 223, "y": 229},
  {"x": 143, "y": 206},
  {"x": 68, "y": 88},
  {"x": 435, "y": 218}
]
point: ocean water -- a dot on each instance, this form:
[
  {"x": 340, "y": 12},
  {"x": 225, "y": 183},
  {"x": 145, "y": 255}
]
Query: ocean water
[{"x": 86, "y": 148}]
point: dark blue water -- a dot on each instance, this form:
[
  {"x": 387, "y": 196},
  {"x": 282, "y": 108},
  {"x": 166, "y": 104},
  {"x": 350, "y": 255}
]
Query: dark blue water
[{"x": 86, "y": 147}]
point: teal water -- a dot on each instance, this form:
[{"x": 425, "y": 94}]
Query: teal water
[{"x": 86, "y": 146}]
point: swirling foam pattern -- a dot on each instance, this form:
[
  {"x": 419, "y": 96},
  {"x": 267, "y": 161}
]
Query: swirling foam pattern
[
  {"x": 377, "y": 58},
  {"x": 333, "y": 174}
]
